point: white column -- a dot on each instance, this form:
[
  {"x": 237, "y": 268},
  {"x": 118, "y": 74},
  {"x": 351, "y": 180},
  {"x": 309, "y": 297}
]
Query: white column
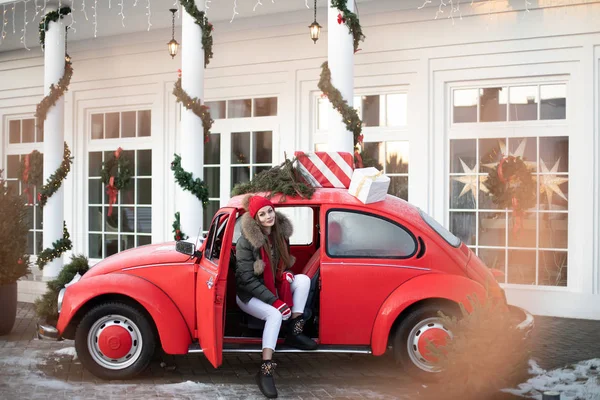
[
  {"x": 192, "y": 132},
  {"x": 54, "y": 67},
  {"x": 340, "y": 55}
]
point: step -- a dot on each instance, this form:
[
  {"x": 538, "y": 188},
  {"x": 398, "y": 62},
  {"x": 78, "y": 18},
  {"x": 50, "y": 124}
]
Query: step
[{"x": 257, "y": 348}]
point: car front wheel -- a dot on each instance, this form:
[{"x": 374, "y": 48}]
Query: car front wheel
[
  {"x": 115, "y": 341},
  {"x": 415, "y": 331}
]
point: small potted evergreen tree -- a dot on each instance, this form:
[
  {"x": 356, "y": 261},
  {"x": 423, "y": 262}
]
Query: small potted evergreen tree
[{"x": 13, "y": 260}]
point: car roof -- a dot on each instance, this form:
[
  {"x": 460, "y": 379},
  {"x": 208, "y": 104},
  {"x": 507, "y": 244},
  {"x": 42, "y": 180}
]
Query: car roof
[{"x": 341, "y": 197}]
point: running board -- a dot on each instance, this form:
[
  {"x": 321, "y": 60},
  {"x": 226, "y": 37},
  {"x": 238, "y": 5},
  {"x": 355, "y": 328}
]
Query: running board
[{"x": 257, "y": 348}]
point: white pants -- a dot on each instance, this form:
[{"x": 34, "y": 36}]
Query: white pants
[{"x": 272, "y": 317}]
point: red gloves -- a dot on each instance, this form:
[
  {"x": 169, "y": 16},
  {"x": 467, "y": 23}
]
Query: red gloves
[
  {"x": 288, "y": 276},
  {"x": 283, "y": 309}
]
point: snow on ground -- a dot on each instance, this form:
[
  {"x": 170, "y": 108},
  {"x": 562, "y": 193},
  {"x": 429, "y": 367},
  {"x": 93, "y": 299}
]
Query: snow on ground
[
  {"x": 67, "y": 351},
  {"x": 579, "y": 381}
]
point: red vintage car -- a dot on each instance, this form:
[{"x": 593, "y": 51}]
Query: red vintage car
[{"x": 380, "y": 272}]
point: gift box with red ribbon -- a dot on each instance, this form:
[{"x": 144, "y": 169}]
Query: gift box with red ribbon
[{"x": 328, "y": 169}]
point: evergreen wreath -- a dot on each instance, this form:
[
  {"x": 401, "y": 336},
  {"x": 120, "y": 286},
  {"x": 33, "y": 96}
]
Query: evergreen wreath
[
  {"x": 58, "y": 248},
  {"x": 207, "y": 28},
  {"x": 351, "y": 20},
  {"x": 32, "y": 174},
  {"x": 187, "y": 181},
  {"x": 196, "y": 106},
  {"x": 177, "y": 234},
  {"x": 55, "y": 180},
  {"x": 56, "y": 92},
  {"x": 284, "y": 179},
  {"x": 511, "y": 185},
  {"x": 52, "y": 16}
]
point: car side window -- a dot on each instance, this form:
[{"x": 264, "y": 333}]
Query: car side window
[
  {"x": 215, "y": 238},
  {"x": 359, "y": 235}
]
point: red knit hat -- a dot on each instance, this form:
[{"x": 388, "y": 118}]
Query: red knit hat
[{"x": 255, "y": 203}]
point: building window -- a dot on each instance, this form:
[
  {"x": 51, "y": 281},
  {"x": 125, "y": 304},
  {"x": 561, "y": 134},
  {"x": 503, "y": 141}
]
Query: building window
[
  {"x": 251, "y": 153},
  {"x": 514, "y": 103},
  {"x": 535, "y": 254},
  {"x": 130, "y": 224},
  {"x": 22, "y": 131},
  {"x": 243, "y": 108},
  {"x": 121, "y": 125}
]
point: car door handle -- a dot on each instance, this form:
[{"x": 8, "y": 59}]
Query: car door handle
[{"x": 210, "y": 282}]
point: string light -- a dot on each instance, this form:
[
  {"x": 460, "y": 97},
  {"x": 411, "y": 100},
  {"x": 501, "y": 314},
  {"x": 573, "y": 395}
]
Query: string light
[
  {"x": 4, "y": 22},
  {"x": 83, "y": 10},
  {"x": 37, "y": 9},
  {"x": 95, "y": 17},
  {"x": 13, "y": 17},
  {"x": 24, "y": 30},
  {"x": 109, "y": 4},
  {"x": 258, "y": 3},
  {"x": 234, "y": 11},
  {"x": 135, "y": 3},
  {"x": 72, "y": 15},
  {"x": 149, "y": 14},
  {"x": 121, "y": 13},
  {"x": 206, "y": 7},
  {"x": 306, "y": 3}
]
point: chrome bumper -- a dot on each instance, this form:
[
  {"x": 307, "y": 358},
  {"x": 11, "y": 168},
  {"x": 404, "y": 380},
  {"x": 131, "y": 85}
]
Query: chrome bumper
[
  {"x": 522, "y": 318},
  {"x": 47, "y": 332}
]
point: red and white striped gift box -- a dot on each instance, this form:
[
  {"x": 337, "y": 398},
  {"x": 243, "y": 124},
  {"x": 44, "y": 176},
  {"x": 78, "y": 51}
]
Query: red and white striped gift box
[{"x": 328, "y": 169}]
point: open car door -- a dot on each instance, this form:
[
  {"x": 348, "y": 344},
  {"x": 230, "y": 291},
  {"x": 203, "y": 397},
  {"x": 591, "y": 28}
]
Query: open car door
[{"x": 211, "y": 285}]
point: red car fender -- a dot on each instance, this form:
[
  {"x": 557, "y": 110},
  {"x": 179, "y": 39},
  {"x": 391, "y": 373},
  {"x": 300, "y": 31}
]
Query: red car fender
[
  {"x": 174, "y": 334},
  {"x": 429, "y": 286}
]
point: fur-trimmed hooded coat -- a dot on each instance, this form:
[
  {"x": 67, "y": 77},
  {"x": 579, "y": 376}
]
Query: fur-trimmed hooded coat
[{"x": 249, "y": 264}]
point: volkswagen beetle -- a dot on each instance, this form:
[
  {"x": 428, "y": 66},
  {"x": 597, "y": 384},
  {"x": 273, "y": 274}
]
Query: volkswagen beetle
[{"x": 379, "y": 274}]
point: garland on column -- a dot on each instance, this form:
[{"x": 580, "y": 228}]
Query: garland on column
[
  {"x": 31, "y": 173},
  {"x": 187, "y": 181},
  {"x": 55, "y": 180},
  {"x": 57, "y": 250},
  {"x": 207, "y": 28},
  {"x": 116, "y": 175},
  {"x": 52, "y": 16},
  {"x": 196, "y": 106},
  {"x": 351, "y": 20},
  {"x": 178, "y": 235},
  {"x": 56, "y": 92}
]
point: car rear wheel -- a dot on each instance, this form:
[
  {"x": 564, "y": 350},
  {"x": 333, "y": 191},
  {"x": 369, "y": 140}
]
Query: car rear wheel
[
  {"x": 413, "y": 335},
  {"x": 115, "y": 341}
]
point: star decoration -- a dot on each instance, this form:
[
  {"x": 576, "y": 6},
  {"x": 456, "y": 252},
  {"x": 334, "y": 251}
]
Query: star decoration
[
  {"x": 519, "y": 152},
  {"x": 470, "y": 180},
  {"x": 550, "y": 183}
]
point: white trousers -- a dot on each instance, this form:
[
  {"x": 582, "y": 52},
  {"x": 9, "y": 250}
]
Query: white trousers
[{"x": 272, "y": 317}]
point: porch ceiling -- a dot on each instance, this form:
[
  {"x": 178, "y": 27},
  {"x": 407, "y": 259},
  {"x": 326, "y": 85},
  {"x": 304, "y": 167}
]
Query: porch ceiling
[{"x": 110, "y": 22}]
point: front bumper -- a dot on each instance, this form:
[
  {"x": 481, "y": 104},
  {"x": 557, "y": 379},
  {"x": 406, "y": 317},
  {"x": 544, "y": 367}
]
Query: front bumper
[
  {"x": 523, "y": 320},
  {"x": 47, "y": 332}
]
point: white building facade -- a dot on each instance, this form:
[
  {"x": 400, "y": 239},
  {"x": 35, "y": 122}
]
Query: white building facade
[{"x": 441, "y": 100}]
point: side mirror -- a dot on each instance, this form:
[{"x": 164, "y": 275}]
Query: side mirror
[{"x": 186, "y": 248}]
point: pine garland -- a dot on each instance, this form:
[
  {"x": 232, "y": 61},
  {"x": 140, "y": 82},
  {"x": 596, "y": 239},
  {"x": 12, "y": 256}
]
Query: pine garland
[
  {"x": 177, "y": 233},
  {"x": 196, "y": 106},
  {"x": 55, "y": 180},
  {"x": 52, "y": 16},
  {"x": 187, "y": 181},
  {"x": 351, "y": 20},
  {"x": 284, "y": 179},
  {"x": 207, "y": 28},
  {"x": 57, "y": 250},
  {"x": 56, "y": 92}
]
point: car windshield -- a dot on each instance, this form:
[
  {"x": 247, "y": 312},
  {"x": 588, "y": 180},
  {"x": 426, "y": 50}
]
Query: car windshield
[{"x": 443, "y": 232}]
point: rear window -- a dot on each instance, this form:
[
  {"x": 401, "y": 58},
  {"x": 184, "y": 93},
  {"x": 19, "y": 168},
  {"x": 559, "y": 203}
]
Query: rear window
[{"x": 443, "y": 232}]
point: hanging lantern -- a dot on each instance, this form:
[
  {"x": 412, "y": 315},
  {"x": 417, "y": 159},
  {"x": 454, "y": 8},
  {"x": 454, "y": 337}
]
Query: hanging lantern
[
  {"x": 173, "y": 45},
  {"x": 315, "y": 28}
]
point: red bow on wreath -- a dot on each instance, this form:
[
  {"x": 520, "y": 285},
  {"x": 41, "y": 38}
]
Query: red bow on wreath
[
  {"x": 340, "y": 19},
  {"x": 111, "y": 189},
  {"x": 515, "y": 202},
  {"x": 27, "y": 190}
]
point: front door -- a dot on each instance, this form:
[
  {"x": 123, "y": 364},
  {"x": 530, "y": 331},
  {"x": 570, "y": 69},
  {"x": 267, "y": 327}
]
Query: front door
[{"x": 211, "y": 285}]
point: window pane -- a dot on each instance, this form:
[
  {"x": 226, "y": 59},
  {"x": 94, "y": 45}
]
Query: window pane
[
  {"x": 128, "y": 124},
  {"x": 95, "y": 191},
  {"x": 14, "y": 129},
  {"x": 97, "y": 126},
  {"x": 265, "y": 107},
  {"x": 463, "y": 155},
  {"x": 39, "y": 217},
  {"x": 127, "y": 216},
  {"x": 240, "y": 148},
  {"x": 526, "y": 235},
  {"x": 554, "y": 154},
  {"x": 493, "y": 104},
  {"x": 127, "y": 195},
  {"x": 144, "y": 191},
  {"x": 40, "y": 133},
  {"x": 95, "y": 222},
  {"x": 323, "y": 107},
  {"x": 370, "y": 110},
  {"x": 111, "y": 245},
  {"x": 111, "y": 125},
  {"x": 39, "y": 242},
  {"x": 374, "y": 153},
  {"x": 553, "y": 268},
  {"x": 494, "y": 259},
  {"x": 377, "y": 238},
  {"x": 464, "y": 104},
  {"x": 144, "y": 163},
  {"x": 95, "y": 163},
  {"x": 111, "y": 223},
  {"x": 144, "y": 240},
  {"x": 128, "y": 242},
  {"x": 399, "y": 187},
  {"x": 144, "y": 123},
  {"x": 29, "y": 217},
  {"x": 212, "y": 149},
  {"x": 490, "y": 153},
  {"x": 492, "y": 229},
  {"x": 263, "y": 147},
  {"x": 463, "y": 190},
  {"x": 553, "y": 100},
  {"x": 128, "y": 155},
  {"x": 526, "y": 148},
  {"x": 521, "y": 267},
  {"x": 95, "y": 245},
  {"x": 397, "y": 109},
  {"x": 239, "y": 108},
  {"x": 144, "y": 220},
  {"x": 554, "y": 230},
  {"x": 462, "y": 224},
  {"x": 12, "y": 167},
  {"x": 397, "y": 158},
  {"x": 523, "y": 103},
  {"x": 29, "y": 245},
  {"x": 239, "y": 175},
  {"x": 28, "y": 131},
  {"x": 258, "y": 170},
  {"x": 209, "y": 213},
  {"x": 211, "y": 178},
  {"x": 217, "y": 109}
]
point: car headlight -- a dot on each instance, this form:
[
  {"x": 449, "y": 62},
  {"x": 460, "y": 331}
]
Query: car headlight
[{"x": 61, "y": 295}]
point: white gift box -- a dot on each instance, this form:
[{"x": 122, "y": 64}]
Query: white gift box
[{"x": 369, "y": 185}]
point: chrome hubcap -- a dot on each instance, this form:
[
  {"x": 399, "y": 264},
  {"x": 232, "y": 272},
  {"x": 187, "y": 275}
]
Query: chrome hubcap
[
  {"x": 114, "y": 342},
  {"x": 432, "y": 329}
]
